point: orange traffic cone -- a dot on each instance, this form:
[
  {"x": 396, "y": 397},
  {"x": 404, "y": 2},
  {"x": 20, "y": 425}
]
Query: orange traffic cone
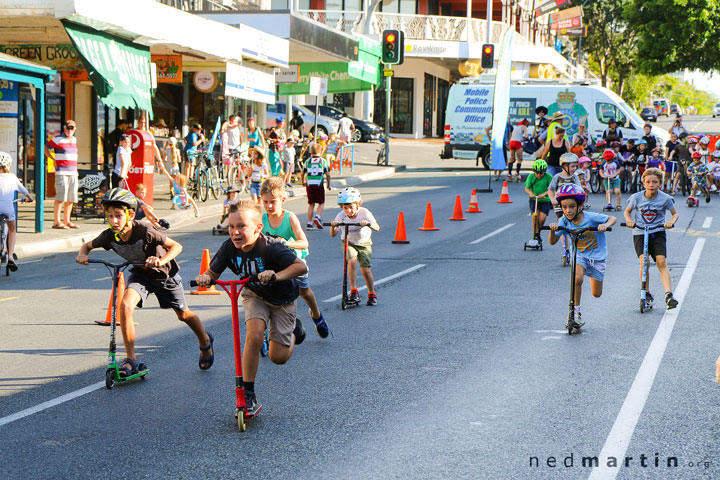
[
  {"x": 120, "y": 293},
  {"x": 473, "y": 208},
  {"x": 504, "y": 195},
  {"x": 457, "y": 214},
  {"x": 400, "y": 236},
  {"x": 429, "y": 224},
  {"x": 204, "y": 265}
]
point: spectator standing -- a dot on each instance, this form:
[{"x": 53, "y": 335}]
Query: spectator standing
[
  {"x": 119, "y": 175},
  {"x": 192, "y": 140},
  {"x": 297, "y": 122},
  {"x": 651, "y": 140},
  {"x": 113, "y": 139},
  {"x": 612, "y": 133},
  {"x": 234, "y": 131},
  {"x": 66, "y": 174},
  {"x": 345, "y": 129},
  {"x": 677, "y": 127}
]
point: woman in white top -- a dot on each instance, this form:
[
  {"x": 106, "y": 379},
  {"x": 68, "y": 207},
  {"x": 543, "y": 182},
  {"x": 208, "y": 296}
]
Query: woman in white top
[
  {"x": 518, "y": 135},
  {"x": 9, "y": 185}
]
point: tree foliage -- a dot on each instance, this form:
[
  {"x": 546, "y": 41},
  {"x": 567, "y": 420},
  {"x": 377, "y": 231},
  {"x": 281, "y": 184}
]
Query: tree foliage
[{"x": 675, "y": 35}]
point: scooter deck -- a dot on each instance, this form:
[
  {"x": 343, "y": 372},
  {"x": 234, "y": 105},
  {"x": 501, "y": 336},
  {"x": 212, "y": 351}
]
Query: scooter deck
[{"x": 120, "y": 379}]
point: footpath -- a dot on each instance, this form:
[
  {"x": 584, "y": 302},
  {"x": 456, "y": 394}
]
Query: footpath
[{"x": 417, "y": 155}]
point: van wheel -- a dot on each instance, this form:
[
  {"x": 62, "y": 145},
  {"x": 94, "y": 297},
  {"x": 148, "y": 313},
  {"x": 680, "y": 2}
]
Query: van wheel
[{"x": 484, "y": 159}]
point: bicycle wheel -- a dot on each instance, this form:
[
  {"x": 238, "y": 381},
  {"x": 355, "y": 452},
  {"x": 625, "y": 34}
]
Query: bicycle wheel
[
  {"x": 243, "y": 179},
  {"x": 595, "y": 182},
  {"x": 381, "y": 156},
  {"x": 214, "y": 183},
  {"x": 232, "y": 176},
  {"x": 203, "y": 186}
]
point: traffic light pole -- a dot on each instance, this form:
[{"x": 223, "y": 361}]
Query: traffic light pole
[{"x": 388, "y": 90}]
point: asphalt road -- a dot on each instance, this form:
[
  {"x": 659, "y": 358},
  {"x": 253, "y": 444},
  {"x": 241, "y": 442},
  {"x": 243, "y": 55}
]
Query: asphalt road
[{"x": 463, "y": 370}]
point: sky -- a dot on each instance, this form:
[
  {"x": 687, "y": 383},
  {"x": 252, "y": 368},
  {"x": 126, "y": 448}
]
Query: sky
[{"x": 710, "y": 82}]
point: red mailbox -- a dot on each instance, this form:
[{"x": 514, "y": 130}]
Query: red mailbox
[{"x": 142, "y": 169}]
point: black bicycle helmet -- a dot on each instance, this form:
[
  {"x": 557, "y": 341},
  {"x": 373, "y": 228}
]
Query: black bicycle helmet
[
  {"x": 683, "y": 135},
  {"x": 120, "y": 197},
  {"x": 541, "y": 109}
]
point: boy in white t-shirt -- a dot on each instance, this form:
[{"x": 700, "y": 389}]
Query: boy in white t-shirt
[
  {"x": 123, "y": 160},
  {"x": 360, "y": 239}
]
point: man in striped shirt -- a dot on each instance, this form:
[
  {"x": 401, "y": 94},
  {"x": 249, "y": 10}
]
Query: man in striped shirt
[{"x": 66, "y": 174}]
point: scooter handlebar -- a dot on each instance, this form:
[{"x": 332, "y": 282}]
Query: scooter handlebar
[
  {"x": 114, "y": 265},
  {"x": 250, "y": 279},
  {"x": 578, "y": 231},
  {"x": 342, "y": 224},
  {"x": 624, "y": 224}
]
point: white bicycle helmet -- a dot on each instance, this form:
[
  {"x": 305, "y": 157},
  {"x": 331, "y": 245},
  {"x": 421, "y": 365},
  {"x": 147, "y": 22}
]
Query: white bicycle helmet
[
  {"x": 705, "y": 141},
  {"x": 716, "y": 154},
  {"x": 5, "y": 160},
  {"x": 568, "y": 158},
  {"x": 348, "y": 195}
]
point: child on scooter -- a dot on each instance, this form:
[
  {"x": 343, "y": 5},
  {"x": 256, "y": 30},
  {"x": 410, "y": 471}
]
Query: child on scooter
[
  {"x": 232, "y": 198},
  {"x": 268, "y": 303},
  {"x": 647, "y": 209},
  {"x": 610, "y": 172},
  {"x": 584, "y": 173},
  {"x": 141, "y": 242},
  {"x": 698, "y": 173},
  {"x": 591, "y": 246},
  {"x": 181, "y": 198},
  {"x": 9, "y": 184},
  {"x": 536, "y": 186},
  {"x": 260, "y": 170},
  {"x": 360, "y": 248},
  {"x": 285, "y": 226}
]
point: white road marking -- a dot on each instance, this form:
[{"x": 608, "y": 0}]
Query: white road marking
[
  {"x": 101, "y": 279},
  {"x": 30, "y": 261},
  {"x": 501, "y": 229},
  {"x": 550, "y": 331},
  {"x": 551, "y": 338},
  {"x": 707, "y": 222},
  {"x": 622, "y": 430},
  {"x": 50, "y": 403},
  {"x": 57, "y": 288},
  {"x": 8, "y": 298},
  {"x": 381, "y": 281}
]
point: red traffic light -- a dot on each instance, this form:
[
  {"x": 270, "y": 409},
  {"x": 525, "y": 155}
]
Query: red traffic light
[
  {"x": 390, "y": 38},
  {"x": 488, "y": 49}
]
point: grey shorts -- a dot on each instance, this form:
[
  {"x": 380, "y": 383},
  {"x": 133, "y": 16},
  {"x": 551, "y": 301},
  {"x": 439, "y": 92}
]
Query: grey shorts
[
  {"x": 363, "y": 252},
  {"x": 593, "y": 268},
  {"x": 303, "y": 281},
  {"x": 279, "y": 319},
  {"x": 66, "y": 188},
  {"x": 169, "y": 292}
]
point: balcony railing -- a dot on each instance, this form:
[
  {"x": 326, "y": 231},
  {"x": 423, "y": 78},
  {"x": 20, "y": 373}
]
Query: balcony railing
[{"x": 194, "y": 6}]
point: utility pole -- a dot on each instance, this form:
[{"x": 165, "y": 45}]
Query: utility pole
[{"x": 388, "y": 89}]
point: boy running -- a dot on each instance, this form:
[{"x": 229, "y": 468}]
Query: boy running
[
  {"x": 268, "y": 303},
  {"x": 591, "y": 246},
  {"x": 315, "y": 170},
  {"x": 141, "y": 242},
  {"x": 360, "y": 248},
  {"x": 284, "y": 225},
  {"x": 647, "y": 209}
]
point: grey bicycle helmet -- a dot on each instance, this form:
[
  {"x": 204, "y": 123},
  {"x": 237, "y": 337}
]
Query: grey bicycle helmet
[
  {"x": 568, "y": 158},
  {"x": 5, "y": 160},
  {"x": 349, "y": 195},
  {"x": 120, "y": 197}
]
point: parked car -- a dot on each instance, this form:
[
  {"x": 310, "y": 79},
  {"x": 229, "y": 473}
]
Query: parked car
[
  {"x": 676, "y": 109},
  {"x": 691, "y": 110},
  {"x": 364, "y": 131},
  {"x": 326, "y": 125},
  {"x": 716, "y": 110},
  {"x": 662, "y": 107},
  {"x": 648, "y": 114}
]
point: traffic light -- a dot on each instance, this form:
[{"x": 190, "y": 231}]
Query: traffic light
[
  {"x": 488, "y": 56},
  {"x": 393, "y": 47}
]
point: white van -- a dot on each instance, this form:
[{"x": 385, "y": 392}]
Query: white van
[{"x": 581, "y": 101}]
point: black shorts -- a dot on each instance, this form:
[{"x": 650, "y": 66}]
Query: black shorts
[
  {"x": 656, "y": 244},
  {"x": 169, "y": 292},
  {"x": 543, "y": 207}
]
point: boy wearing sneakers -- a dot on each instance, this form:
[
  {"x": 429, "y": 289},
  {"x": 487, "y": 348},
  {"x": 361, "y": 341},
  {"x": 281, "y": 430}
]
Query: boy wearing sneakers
[
  {"x": 268, "y": 303},
  {"x": 284, "y": 226},
  {"x": 360, "y": 241},
  {"x": 591, "y": 246},
  {"x": 647, "y": 209},
  {"x": 141, "y": 242},
  {"x": 315, "y": 170}
]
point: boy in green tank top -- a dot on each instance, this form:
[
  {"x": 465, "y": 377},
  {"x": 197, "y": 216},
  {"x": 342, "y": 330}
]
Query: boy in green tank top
[{"x": 285, "y": 226}]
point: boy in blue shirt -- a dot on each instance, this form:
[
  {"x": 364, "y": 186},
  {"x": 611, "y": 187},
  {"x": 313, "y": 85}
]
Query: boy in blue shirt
[
  {"x": 591, "y": 246},
  {"x": 647, "y": 209}
]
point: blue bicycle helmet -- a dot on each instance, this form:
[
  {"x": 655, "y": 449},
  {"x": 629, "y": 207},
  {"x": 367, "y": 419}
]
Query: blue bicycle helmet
[
  {"x": 570, "y": 190},
  {"x": 348, "y": 195},
  {"x": 640, "y": 142}
]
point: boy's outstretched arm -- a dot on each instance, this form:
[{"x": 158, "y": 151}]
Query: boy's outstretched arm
[
  {"x": 628, "y": 218},
  {"x": 604, "y": 226},
  {"x": 82, "y": 257},
  {"x": 173, "y": 250},
  {"x": 297, "y": 268},
  {"x": 673, "y": 220},
  {"x": 554, "y": 237}
]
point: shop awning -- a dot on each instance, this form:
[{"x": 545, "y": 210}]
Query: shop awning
[{"x": 118, "y": 68}]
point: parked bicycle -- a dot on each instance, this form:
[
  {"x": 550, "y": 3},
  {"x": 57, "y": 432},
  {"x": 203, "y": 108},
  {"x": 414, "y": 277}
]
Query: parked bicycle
[{"x": 238, "y": 174}]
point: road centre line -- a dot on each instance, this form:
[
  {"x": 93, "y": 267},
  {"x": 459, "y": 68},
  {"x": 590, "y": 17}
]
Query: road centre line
[
  {"x": 51, "y": 403},
  {"x": 622, "y": 430},
  {"x": 101, "y": 279},
  {"x": 381, "y": 281},
  {"x": 501, "y": 229},
  {"x": 57, "y": 288},
  {"x": 707, "y": 222},
  {"x": 8, "y": 298}
]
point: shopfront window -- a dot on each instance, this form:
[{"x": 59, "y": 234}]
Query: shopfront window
[
  {"x": 101, "y": 119},
  {"x": 401, "y": 107},
  {"x": 399, "y": 6},
  {"x": 279, "y": 5}
]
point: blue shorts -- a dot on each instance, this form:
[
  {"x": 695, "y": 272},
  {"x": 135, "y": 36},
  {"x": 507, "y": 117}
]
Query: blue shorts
[
  {"x": 303, "y": 281},
  {"x": 543, "y": 207},
  {"x": 614, "y": 182},
  {"x": 593, "y": 268},
  {"x": 553, "y": 170},
  {"x": 255, "y": 188},
  {"x": 670, "y": 167}
]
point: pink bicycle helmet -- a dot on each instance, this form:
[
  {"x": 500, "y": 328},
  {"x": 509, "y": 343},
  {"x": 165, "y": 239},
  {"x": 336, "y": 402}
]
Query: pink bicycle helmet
[{"x": 570, "y": 190}]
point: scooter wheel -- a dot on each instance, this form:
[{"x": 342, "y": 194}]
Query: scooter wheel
[
  {"x": 525, "y": 248},
  {"x": 109, "y": 378},
  {"x": 642, "y": 306},
  {"x": 240, "y": 414},
  {"x": 343, "y": 304}
]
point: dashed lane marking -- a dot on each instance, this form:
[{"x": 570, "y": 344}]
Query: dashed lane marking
[
  {"x": 381, "y": 281},
  {"x": 8, "y": 298},
  {"x": 707, "y": 222},
  {"x": 492, "y": 234},
  {"x": 622, "y": 430},
  {"x": 57, "y": 288},
  {"x": 101, "y": 279}
]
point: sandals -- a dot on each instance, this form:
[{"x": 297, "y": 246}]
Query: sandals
[
  {"x": 206, "y": 362},
  {"x": 60, "y": 226},
  {"x": 125, "y": 371}
]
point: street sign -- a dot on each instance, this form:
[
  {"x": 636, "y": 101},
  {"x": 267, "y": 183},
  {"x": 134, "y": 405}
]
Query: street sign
[
  {"x": 318, "y": 86},
  {"x": 548, "y": 7},
  {"x": 574, "y": 32},
  {"x": 288, "y": 75},
  {"x": 388, "y": 72},
  {"x": 569, "y": 24},
  {"x": 568, "y": 18}
]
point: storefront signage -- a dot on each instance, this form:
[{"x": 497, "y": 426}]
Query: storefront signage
[
  {"x": 205, "y": 81},
  {"x": 92, "y": 185},
  {"x": 288, "y": 75},
  {"x": 58, "y": 57},
  {"x": 169, "y": 68},
  {"x": 548, "y": 7},
  {"x": 119, "y": 69},
  {"x": 318, "y": 86},
  {"x": 339, "y": 80},
  {"x": 574, "y": 32},
  {"x": 568, "y": 18},
  {"x": 249, "y": 83},
  {"x": 433, "y": 48},
  {"x": 8, "y": 118},
  {"x": 8, "y": 98}
]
